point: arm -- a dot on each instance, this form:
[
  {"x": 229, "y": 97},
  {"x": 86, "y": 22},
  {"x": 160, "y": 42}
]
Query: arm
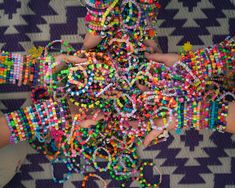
[
  {"x": 230, "y": 128},
  {"x": 4, "y": 132},
  {"x": 213, "y": 56},
  {"x": 168, "y": 59},
  {"x": 23, "y": 69},
  {"x": 230, "y": 118}
]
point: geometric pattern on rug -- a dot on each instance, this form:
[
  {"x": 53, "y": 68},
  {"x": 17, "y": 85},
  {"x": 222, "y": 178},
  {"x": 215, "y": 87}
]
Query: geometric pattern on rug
[{"x": 190, "y": 160}]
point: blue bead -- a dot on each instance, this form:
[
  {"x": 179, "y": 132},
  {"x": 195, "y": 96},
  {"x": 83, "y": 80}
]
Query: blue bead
[{"x": 178, "y": 131}]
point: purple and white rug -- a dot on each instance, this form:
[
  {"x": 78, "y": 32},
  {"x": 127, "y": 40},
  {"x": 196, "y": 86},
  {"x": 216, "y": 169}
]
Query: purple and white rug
[{"x": 191, "y": 160}]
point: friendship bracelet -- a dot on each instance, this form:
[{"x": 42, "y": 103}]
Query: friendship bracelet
[
  {"x": 85, "y": 179},
  {"x": 155, "y": 127},
  {"x": 110, "y": 90},
  {"x": 142, "y": 180}
]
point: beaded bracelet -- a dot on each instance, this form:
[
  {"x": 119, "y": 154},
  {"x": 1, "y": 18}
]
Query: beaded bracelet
[
  {"x": 74, "y": 76},
  {"x": 49, "y": 130},
  {"x": 51, "y": 44},
  {"x": 104, "y": 169},
  {"x": 85, "y": 179},
  {"x": 65, "y": 178},
  {"x": 141, "y": 178},
  {"x": 98, "y": 4},
  {"x": 83, "y": 89},
  {"x": 107, "y": 12},
  {"x": 124, "y": 4},
  {"x": 133, "y": 108},
  {"x": 119, "y": 176},
  {"x": 18, "y": 133},
  {"x": 154, "y": 127}
]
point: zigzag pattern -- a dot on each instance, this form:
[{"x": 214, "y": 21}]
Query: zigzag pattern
[
  {"x": 71, "y": 26},
  {"x": 10, "y": 7},
  {"x": 191, "y": 138},
  {"x": 40, "y": 23},
  {"x": 190, "y": 4},
  {"x": 34, "y": 166},
  {"x": 209, "y": 22},
  {"x": 40, "y": 8},
  {"x": 187, "y": 160}
]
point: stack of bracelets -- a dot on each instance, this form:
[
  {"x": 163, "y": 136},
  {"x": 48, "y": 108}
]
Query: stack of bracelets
[
  {"x": 123, "y": 25},
  {"x": 189, "y": 90}
]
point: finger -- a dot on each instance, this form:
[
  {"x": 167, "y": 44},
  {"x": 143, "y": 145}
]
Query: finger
[
  {"x": 150, "y": 43},
  {"x": 91, "y": 41},
  {"x": 87, "y": 123},
  {"x": 99, "y": 117},
  {"x": 162, "y": 58},
  {"x": 172, "y": 59},
  {"x": 133, "y": 124},
  {"x": 60, "y": 57},
  {"x": 63, "y": 59},
  {"x": 141, "y": 87},
  {"x": 150, "y": 50},
  {"x": 75, "y": 59},
  {"x": 60, "y": 63},
  {"x": 151, "y": 136},
  {"x": 153, "y": 57}
]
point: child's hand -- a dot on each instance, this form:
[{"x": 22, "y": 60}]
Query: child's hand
[
  {"x": 91, "y": 41},
  {"x": 152, "y": 45},
  {"x": 90, "y": 120},
  {"x": 168, "y": 59},
  {"x": 155, "y": 133},
  {"x": 69, "y": 58},
  {"x": 63, "y": 59}
]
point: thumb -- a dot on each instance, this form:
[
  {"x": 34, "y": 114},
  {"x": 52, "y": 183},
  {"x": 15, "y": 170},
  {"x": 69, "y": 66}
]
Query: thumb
[
  {"x": 75, "y": 59},
  {"x": 151, "y": 136},
  {"x": 89, "y": 121},
  {"x": 62, "y": 59},
  {"x": 153, "y": 57}
]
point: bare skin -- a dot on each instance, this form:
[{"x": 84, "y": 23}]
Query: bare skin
[
  {"x": 4, "y": 132},
  {"x": 91, "y": 41},
  {"x": 168, "y": 59}
]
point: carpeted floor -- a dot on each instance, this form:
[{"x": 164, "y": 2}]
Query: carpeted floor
[{"x": 190, "y": 160}]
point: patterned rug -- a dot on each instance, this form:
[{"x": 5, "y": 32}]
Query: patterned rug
[{"x": 190, "y": 160}]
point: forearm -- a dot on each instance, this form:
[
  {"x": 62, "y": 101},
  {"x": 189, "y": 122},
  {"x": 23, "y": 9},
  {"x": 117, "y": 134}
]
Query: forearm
[
  {"x": 191, "y": 75},
  {"x": 230, "y": 118},
  {"x": 24, "y": 70},
  {"x": 4, "y": 132},
  {"x": 35, "y": 121},
  {"x": 214, "y": 115},
  {"x": 212, "y": 61},
  {"x": 152, "y": 45}
]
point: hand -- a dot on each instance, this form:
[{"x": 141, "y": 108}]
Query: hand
[
  {"x": 168, "y": 59},
  {"x": 143, "y": 88},
  {"x": 63, "y": 59},
  {"x": 91, "y": 41},
  {"x": 152, "y": 45},
  {"x": 155, "y": 133},
  {"x": 89, "y": 120}
]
